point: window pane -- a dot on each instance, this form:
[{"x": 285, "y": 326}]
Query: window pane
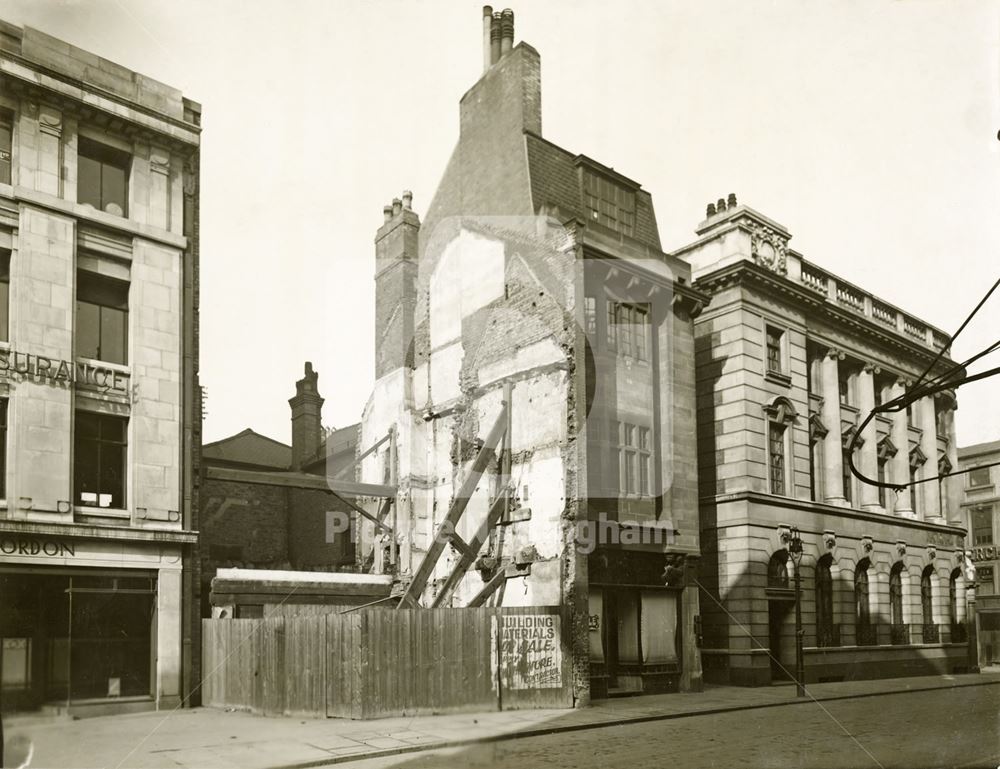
[
  {"x": 5, "y": 148},
  {"x": 112, "y": 490},
  {"x": 85, "y": 470},
  {"x": 88, "y": 330},
  {"x": 88, "y": 186},
  {"x": 114, "y": 324},
  {"x": 112, "y": 429},
  {"x": 113, "y": 186}
]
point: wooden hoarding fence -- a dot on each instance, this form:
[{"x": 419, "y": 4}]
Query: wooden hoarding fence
[{"x": 377, "y": 663}]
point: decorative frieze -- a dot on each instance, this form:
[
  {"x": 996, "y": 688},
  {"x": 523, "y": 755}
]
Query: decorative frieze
[{"x": 768, "y": 248}]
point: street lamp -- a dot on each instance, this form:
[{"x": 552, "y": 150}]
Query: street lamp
[{"x": 795, "y": 551}]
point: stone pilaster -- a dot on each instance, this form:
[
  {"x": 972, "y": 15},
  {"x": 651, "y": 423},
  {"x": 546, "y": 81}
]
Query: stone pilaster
[
  {"x": 899, "y": 465},
  {"x": 931, "y": 507},
  {"x": 868, "y": 453},
  {"x": 833, "y": 459}
]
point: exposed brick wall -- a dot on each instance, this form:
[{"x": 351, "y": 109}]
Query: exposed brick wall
[{"x": 252, "y": 525}]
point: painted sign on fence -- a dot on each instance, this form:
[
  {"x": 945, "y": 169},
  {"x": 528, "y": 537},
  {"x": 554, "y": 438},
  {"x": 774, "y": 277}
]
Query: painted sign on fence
[{"x": 530, "y": 651}]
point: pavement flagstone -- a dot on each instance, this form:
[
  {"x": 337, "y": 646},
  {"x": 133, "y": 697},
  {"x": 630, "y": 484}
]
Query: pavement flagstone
[{"x": 204, "y": 738}]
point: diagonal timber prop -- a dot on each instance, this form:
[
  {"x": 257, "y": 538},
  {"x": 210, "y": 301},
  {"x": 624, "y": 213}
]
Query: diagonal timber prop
[{"x": 449, "y": 525}]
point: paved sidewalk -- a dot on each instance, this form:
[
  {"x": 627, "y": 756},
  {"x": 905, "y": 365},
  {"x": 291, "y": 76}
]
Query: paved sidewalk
[{"x": 208, "y": 739}]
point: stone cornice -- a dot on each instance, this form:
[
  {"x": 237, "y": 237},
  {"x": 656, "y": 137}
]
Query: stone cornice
[
  {"x": 821, "y": 508},
  {"x": 61, "y": 87},
  {"x": 748, "y": 273},
  {"x": 90, "y": 531}
]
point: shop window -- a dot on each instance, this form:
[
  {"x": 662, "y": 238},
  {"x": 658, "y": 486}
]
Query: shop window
[
  {"x": 99, "y": 454},
  {"x": 102, "y": 177},
  {"x": 825, "y": 632},
  {"x": 982, "y": 525},
  {"x": 15, "y": 663},
  {"x": 80, "y": 637},
  {"x": 984, "y": 580},
  {"x": 6, "y": 144},
  {"x": 776, "y": 456},
  {"x": 774, "y": 362},
  {"x": 101, "y": 317},
  {"x": 979, "y": 476}
]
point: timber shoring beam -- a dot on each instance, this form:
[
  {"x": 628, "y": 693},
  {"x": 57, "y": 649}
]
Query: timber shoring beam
[
  {"x": 459, "y": 503},
  {"x": 498, "y": 509},
  {"x": 342, "y": 473}
]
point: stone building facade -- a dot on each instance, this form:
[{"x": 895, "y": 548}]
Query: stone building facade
[
  {"x": 536, "y": 282},
  {"x": 790, "y": 360},
  {"x": 99, "y": 396},
  {"x": 980, "y": 505}
]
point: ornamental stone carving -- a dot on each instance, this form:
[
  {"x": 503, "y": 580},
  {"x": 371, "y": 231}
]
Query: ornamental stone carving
[{"x": 768, "y": 248}]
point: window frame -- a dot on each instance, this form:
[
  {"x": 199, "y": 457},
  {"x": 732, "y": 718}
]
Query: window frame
[
  {"x": 97, "y": 284},
  {"x": 775, "y": 353},
  {"x": 634, "y": 459},
  {"x": 974, "y": 530},
  {"x": 7, "y": 122},
  {"x": 105, "y": 156},
  {"x": 970, "y": 478},
  {"x": 777, "y": 464},
  {"x": 101, "y": 419}
]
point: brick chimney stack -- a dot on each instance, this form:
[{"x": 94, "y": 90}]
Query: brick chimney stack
[
  {"x": 307, "y": 415},
  {"x": 396, "y": 249}
]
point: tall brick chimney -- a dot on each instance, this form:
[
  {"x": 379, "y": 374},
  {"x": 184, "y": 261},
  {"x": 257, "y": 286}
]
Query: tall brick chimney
[
  {"x": 396, "y": 249},
  {"x": 307, "y": 414}
]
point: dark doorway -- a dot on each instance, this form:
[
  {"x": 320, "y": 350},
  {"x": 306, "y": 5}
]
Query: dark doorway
[{"x": 778, "y": 610}]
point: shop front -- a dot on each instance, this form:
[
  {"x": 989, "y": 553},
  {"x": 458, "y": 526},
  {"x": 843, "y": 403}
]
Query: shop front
[
  {"x": 635, "y": 624},
  {"x": 89, "y": 624}
]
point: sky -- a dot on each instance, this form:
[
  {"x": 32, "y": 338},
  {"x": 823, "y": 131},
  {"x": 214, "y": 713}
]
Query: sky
[{"x": 869, "y": 128}]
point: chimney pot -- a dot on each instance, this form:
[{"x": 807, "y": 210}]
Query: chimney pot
[
  {"x": 397, "y": 206},
  {"x": 720, "y": 205},
  {"x": 487, "y": 23},
  {"x": 407, "y": 200},
  {"x": 495, "y": 38},
  {"x": 506, "y": 31},
  {"x": 732, "y": 200},
  {"x": 710, "y": 210},
  {"x": 387, "y": 212}
]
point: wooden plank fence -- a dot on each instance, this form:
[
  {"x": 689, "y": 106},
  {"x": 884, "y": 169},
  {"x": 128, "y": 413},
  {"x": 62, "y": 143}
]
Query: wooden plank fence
[{"x": 375, "y": 663}]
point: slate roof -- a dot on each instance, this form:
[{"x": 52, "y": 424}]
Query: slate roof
[
  {"x": 249, "y": 448},
  {"x": 555, "y": 181}
]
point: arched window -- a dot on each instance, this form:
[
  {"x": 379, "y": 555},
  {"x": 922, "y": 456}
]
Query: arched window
[
  {"x": 780, "y": 415},
  {"x": 900, "y": 632},
  {"x": 862, "y": 608},
  {"x": 896, "y": 593},
  {"x": 927, "y": 606},
  {"x": 777, "y": 570},
  {"x": 826, "y": 633},
  {"x": 958, "y": 634}
]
